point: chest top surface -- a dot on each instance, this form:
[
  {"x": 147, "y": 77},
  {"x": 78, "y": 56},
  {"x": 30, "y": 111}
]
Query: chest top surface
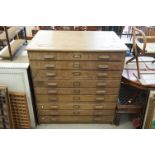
[{"x": 76, "y": 41}]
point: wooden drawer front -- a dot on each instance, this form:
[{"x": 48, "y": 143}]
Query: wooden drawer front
[
  {"x": 76, "y": 119},
  {"x": 107, "y": 56},
  {"x": 76, "y": 98},
  {"x": 49, "y": 75},
  {"x": 75, "y": 112},
  {"x": 91, "y": 65},
  {"x": 77, "y": 105},
  {"x": 84, "y": 91},
  {"x": 79, "y": 83},
  {"x": 48, "y": 56}
]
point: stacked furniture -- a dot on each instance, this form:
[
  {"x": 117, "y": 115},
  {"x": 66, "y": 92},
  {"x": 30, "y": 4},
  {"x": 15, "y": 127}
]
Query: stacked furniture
[
  {"x": 76, "y": 75},
  {"x": 16, "y": 76},
  {"x": 11, "y": 41}
]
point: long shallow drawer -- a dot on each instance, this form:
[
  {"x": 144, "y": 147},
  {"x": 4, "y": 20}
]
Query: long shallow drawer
[
  {"x": 78, "y": 83},
  {"x": 75, "y": 98},
  {"x": 104, "y": 56},
  {"x": 90, "y": 65},
  {"x": 76, "y": 119},
  {"x": 82, "y": 91},
  {"x": 78, "y": 74},
  {"x": 77, "y": 105},
  {"x": 78, "y": 112}
]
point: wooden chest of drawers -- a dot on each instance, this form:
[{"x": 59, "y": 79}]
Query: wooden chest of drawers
[{"x": 76, "y": 75}]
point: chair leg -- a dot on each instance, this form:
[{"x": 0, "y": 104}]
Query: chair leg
[
  {"x": 137, "y": 64},
  {"x": 131, "y": 59},
  {"x": 117, "y": 119}
]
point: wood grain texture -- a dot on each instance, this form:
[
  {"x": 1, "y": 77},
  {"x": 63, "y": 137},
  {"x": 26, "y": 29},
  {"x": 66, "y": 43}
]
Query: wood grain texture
[
  {"x": 76, "y": 41},
  {"x": 76, "y": 75}
]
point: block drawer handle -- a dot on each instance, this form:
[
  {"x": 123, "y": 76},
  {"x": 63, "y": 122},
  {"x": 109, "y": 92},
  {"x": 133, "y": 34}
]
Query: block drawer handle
[
  {"x": 99, "y": 98},
  {"x": 50, "y": 66},
  {"x": 102, "y": 74},
  {"x": 104, "y": 57},
  {"x": 76, "y": 84},
  {"x": 76, "y": 98},
  {"x": 98, "y": 107},
  {"x": 100, "y": 92},
  {"x": 101, "y": 84},
  {"x": 97, "y": 118},
  {"x": 76, "y": 112},
  {"x": 42, "y": 118},
  {"x": 103, "y": 66},
  {"x": 54, "y": 112},
  {"x": 49, "y": 57},
  {"x": 52, "y": 91},
  {"x": 76, "y": 91},
  {"x": 76, "y": 73},
  {"x": 50, "y": 74},
  {"x": 98, "y": 113},
  {"x": 52, "y": 84},
  {"x": 52, "y": 99},
  {"x": 54, "y": 119},
  {"x": 53, "y": 107},
  {"x": 76, "y": 106},
  {"x": 77, "y": 56},
  {"x": 76, "y": 65}
]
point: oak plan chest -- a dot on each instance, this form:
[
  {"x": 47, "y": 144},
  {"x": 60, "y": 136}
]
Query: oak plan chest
[{"x": 76, "y": 75}]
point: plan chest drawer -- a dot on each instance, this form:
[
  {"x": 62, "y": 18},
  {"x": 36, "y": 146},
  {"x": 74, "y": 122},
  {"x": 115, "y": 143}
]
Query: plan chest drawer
[{"x": 76, "y": 75}]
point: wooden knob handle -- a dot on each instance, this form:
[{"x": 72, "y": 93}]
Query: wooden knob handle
[{"x": 104, "y": 57}]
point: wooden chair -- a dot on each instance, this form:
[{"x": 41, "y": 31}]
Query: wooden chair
[{"x": 135, "y": 51}]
